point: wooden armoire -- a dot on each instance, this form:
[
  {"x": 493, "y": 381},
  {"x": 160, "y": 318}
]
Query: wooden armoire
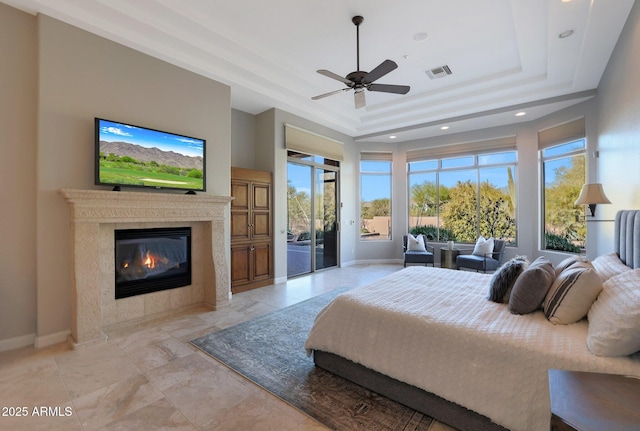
[{"x": 251, "y": 229}]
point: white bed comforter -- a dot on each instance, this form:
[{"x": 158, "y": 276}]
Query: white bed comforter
[{"x": 434, "y": 328}]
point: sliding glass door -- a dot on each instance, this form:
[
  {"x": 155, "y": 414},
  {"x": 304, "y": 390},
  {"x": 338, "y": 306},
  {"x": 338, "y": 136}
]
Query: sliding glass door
[
  {"x": 312, "y": 224},
  {"x": 326, "y": 229}
]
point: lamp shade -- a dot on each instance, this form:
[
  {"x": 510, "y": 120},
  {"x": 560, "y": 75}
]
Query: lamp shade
[{"x": 592, "y": 194}]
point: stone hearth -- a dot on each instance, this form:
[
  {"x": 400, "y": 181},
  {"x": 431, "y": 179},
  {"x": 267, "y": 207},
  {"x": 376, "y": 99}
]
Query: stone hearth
[{"x": 95, "y": 215}]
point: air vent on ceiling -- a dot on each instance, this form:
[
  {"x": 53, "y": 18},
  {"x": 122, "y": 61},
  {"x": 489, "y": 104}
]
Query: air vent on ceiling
[{"x": 439, "y": 72}]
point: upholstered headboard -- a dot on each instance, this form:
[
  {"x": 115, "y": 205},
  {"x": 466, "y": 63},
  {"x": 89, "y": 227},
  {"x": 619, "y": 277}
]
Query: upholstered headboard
[{"x": 627, "y": 237}]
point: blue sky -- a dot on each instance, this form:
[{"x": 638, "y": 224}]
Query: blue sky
[{"x": 118, "y": 132}]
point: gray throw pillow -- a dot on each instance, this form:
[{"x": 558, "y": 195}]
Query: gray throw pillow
[
  {"x": 503, "y": 279},
  {"x": 531, "y": 287}
]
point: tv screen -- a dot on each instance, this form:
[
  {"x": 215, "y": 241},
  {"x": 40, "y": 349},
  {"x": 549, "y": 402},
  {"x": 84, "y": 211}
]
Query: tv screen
[{"x": 128, "y": 155}]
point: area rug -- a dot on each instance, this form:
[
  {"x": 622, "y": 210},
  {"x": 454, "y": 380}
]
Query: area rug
[{"x": 269, "y": 351}]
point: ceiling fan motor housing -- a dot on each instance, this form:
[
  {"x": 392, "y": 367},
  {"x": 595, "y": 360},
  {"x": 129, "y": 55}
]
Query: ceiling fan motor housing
[{"x": 357, "y": 78}]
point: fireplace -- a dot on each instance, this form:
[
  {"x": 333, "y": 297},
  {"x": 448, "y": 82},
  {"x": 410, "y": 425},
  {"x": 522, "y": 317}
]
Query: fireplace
[
  {"x": 96, "y": 214},
  {"x": 151, "y": 260}
]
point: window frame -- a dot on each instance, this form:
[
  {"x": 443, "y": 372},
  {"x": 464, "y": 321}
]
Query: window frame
[
  {"x": 476, "y": 166},
  {"x": 386, "y": 157},
  {"x": 543, "y": 188}
]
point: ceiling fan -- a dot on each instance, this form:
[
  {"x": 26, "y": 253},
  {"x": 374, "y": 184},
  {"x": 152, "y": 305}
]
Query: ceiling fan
[{"x": 360, "y": 80}]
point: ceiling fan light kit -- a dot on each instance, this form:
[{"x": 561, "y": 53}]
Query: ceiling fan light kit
[{"x": 361, "y": 80}]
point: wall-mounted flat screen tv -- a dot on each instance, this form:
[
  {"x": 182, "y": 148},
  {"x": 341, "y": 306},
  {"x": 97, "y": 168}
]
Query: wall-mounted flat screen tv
[{"x": 134, "y": 156}]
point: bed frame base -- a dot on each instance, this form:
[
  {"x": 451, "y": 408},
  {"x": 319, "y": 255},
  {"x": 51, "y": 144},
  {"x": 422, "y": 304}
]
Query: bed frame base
[{"x": 425, "y": 402}]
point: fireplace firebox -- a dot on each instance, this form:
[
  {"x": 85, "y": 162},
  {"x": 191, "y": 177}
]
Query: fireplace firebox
[{"x": 151, "y": 260}]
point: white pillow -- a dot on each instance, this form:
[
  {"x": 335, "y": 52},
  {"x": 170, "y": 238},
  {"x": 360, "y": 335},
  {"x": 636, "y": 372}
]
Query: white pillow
[
  {"x": 609, "y": 265},
  {"x": 415, "y": 243},
  {"x": 483, "y": 247},
  {"x": 614, "y": 319},
  {"x": 571, "y": 295}
]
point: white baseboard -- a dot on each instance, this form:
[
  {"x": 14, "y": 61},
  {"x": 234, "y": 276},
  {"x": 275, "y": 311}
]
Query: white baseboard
[
  {"x": 378, "y": 262},
  {"x": 51, "y": 339},
  {"x": 17, "y": 342}
]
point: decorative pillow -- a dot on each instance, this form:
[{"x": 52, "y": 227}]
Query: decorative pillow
[
  {"x": 415, "y": 243},
  {"x": 609, "y": 265},
  {"x": 483, "y": 246},
  {"x": 531, "y": 287},
  {"x": 614, "y": 319},
  {"x": 503, "y": 279},
  {"x": 571, "y": 295},
  {"x": 570, "y": 262}
]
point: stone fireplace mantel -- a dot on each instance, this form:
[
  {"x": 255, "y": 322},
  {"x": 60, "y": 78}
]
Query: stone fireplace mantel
[{"x": 96, "y": 214}]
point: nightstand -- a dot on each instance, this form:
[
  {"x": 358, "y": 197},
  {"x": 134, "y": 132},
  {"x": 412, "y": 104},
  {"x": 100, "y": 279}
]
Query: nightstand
[{"x": 582, "y": 401}]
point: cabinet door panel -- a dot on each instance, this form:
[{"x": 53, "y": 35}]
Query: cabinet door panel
[
  {"x": 262, "y": 261},
  {"x": 261, "y": 225},
  {"x": 239, "y": 225},
  {"x": 241, "y": 264},
  {"x": 261, "y": 197},
  {"x": 240, "y": 193}
]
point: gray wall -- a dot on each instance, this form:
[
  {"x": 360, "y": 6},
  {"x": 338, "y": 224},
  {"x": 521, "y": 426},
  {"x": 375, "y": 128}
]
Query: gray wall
[
  {"x": 76, "y": 76},
  {"x": 18, "y": 174},
  {"x": 243, "y": 139},
  {"x": 83, "y": 76},
  {"x": 619, "y": 129}
]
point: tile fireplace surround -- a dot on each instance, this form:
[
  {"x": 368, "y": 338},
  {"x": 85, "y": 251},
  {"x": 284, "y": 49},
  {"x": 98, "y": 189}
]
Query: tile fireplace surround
[{"x": 95, "y": 215}]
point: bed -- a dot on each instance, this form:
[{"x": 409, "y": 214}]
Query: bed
[{"x": 430, "y": 339}]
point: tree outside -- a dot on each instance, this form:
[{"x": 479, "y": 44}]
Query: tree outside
[
  {"x": 563, "y": 231},
  {"x": 299, "y": 211},
  {"x": 461, "y": 216}
]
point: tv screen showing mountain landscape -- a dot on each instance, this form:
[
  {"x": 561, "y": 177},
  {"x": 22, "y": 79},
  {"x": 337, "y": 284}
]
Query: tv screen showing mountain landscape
[{"x": 130, "y": 155}]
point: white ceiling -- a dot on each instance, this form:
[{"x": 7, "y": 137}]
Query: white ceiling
[{"x": 505, "y": 55}]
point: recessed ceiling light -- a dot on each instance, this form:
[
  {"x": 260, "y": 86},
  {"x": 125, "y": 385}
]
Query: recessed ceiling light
[
  {"x": 565, "y": 34},
  {"x": 520, "y": 114},
  {"x": 444, "y": 128},
  {"x": 419, "y": 37},
  {"x": 392, "y": 137}
]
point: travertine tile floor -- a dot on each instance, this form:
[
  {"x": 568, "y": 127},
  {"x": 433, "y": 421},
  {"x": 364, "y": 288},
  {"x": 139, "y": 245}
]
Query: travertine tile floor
[{"x": 148, "y": 377}]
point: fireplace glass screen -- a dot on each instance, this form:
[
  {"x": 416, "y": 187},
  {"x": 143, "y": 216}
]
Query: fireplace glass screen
[{"x": 150, "y": 260}]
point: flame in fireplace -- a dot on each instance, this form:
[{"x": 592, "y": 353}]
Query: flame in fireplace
[{"x": 152, "y": 261}]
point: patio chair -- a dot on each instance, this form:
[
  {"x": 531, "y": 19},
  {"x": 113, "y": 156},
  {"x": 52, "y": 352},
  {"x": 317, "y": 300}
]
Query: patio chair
[
  {"x": 416, "y": 256},
  {"x": 487, "y": 262}
]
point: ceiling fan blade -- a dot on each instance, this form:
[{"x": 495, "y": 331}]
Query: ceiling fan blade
[
  {"x": 331, "y": 93},
  {"x": 388, "y": 88},
  {"x": 380, "y": 71},
  {"x": 334, "y": 76},
  {"x": 359, "y": 99}
]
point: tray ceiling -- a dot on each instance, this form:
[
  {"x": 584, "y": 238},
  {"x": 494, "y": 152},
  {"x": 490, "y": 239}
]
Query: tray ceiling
[{"x": 505, "y": 56}]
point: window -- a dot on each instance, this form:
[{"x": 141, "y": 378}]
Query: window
[
  {"x": 563, "y": 174},
  {"x": 375, "y": 196},
  {"x": 460, "y": 198}
]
